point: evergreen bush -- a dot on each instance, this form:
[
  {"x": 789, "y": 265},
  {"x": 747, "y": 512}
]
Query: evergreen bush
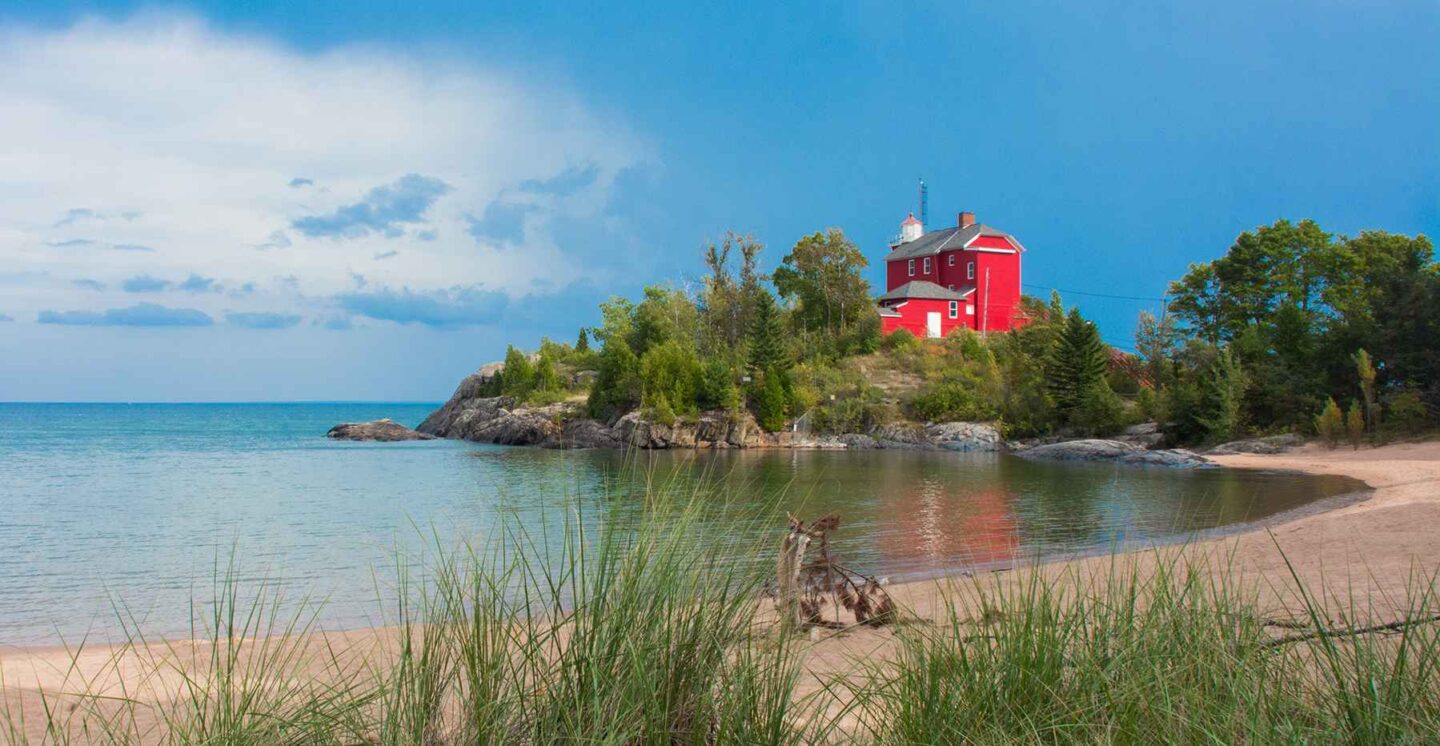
[
  {"x": 617, "y": 382},
  {"x": 518, "y": 378},
  {"x": 1406, "y": 412},
  {"x": 670, "y": 378},
  {"x": 770, "y": 403}
]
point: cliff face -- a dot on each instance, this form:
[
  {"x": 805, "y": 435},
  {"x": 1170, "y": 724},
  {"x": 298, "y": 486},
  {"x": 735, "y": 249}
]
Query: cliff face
[{"x": 493, "y": 420}]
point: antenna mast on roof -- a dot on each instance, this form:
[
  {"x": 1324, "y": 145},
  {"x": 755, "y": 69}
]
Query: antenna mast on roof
[{"x": 924, "y": 204}]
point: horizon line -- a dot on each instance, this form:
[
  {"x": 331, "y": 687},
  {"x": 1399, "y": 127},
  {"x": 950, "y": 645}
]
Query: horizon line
[{"x": 225, "y": 401}]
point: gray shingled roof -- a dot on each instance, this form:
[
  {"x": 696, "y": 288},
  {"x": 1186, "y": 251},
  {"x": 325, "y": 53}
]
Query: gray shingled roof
[
  {"x": 924, "y": 289},
  {"x": 946, "y": 238}
]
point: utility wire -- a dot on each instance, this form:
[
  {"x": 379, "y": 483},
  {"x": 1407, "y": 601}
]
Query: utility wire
[{"x": 1093, "y": 295}]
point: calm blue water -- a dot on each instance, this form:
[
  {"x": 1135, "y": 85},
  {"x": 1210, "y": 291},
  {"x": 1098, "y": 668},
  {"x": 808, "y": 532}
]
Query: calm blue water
[{"x": 106, "y": 506}]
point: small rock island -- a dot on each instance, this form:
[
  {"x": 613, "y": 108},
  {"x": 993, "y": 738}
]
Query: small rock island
[{"x": 385, "y": 430}]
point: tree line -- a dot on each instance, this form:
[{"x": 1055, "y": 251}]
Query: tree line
[
  {"x": 1291, "y": 324},
  {"x": 1277, "y": 335}
]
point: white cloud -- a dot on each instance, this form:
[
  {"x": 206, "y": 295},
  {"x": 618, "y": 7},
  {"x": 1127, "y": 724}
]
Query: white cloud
[{"x": 160, "y": 147}]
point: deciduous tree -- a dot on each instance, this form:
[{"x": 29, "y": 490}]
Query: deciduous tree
[{"x": 821, "y": 275}]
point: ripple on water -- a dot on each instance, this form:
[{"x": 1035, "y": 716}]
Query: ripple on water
[{"x": 148, "y": 503}]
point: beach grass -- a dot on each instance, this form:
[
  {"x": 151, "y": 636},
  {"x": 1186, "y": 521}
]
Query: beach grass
[
  {"x": 1171, "y": 651},
  {"x": 638, "y": 632}
]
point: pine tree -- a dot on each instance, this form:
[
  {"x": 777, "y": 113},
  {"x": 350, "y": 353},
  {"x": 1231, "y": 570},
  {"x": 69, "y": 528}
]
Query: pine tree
[
  {"x": 546, "y": 379},
  {"x": 617, "y": 383},
  {"x": 767, "y": 338},
  {"x": 1220, "y": 397},
  {"x": 518, "y": 376},
  {"x": 582, "y": 343},
  {"x": 770, "y": 403},
  {"x": 1076, "y": 365}
]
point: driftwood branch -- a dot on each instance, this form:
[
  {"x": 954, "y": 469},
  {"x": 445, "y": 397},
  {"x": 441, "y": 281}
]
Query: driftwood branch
[
  {"x": 1351, "y": 632},
  {"x": 804, "y": 587}
]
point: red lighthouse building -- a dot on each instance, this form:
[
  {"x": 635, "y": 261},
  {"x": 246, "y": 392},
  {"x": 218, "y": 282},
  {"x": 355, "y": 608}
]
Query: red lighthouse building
[{"x": 966, "y": 275}]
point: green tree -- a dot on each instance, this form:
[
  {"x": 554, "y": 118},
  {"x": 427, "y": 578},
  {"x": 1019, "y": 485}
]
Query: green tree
[
  {"x": 617, "y": 321},
  {"x": 727, "y": 300},
  {"x": 1280, "y": 264},
  {"x": 770, "y": 402},
  {"x": 665, "y": 315},
  {"x": 767, "y": 338},
  {"x": 1365, "y": 370},
  {"x": 717, "y": 389},
  {"x": 1156, "y": 341},
  {"x": 545, "y": 378},
  {"x": 1406, "y": 411},
  {"x": 1355, "y": 424},
  {"x": 1100, "y": 410},
  {"x": 518, "y": 376},
  {"x": 1076, "y": 365},
  {"x": 1219, "y": 402},
  {"x": 1330, "y": 423},
  {"x": 582, "y": 342},
  {"x": 617, "y": 382},
  {"x": 670, "y": 376},
  {"x": 1195, "y": 298},
  {"x": 822, "y": 275}
]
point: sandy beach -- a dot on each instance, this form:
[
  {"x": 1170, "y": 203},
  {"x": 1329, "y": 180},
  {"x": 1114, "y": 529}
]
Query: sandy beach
[{"x": 1362, "y": 557}]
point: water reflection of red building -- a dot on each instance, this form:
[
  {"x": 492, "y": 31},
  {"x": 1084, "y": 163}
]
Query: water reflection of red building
[{"x": 943, "y": 526}]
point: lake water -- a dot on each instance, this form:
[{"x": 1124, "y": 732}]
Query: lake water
[{"x": 104, "y": 503}]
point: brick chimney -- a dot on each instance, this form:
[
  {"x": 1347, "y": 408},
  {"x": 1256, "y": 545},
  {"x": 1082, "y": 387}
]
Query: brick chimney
[{"x": 967, "y": 219}]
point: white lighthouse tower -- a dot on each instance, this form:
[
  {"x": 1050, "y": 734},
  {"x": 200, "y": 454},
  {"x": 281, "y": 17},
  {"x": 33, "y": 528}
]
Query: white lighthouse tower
[{"x": 911, "y": 229}]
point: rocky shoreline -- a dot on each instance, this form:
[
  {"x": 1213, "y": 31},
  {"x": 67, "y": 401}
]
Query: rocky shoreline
[
  {"x": 502, "y": 421},
  {"x": 469, "y": 415}
]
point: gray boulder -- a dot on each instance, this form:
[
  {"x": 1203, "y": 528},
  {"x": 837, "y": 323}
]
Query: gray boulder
[
  {"x": 902, "y": 435},
  {"x": 1271, "y": 444},
  {"x": 1145, "y": 435},
  {"x": 965, "y": 436},
  {"x": 496, "y": 419},
  {"x": 1114, "y": 451},
  {"x": 857, "y": 441},
  {"x": 386, "y": 430}
]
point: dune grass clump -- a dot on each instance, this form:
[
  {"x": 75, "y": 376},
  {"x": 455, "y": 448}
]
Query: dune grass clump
[
  {"x": 635, "y": 635},
  {"x": 636, "y": 632},
  {"x": 1177, "y": 654},
  {"x": 645, "y": 631}
]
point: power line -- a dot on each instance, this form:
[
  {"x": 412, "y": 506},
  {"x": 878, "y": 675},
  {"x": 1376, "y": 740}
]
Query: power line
[{"x": 1094, "y": 295}]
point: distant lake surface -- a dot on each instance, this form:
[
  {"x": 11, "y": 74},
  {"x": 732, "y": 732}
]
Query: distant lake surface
[{"x": 103, "y": 503}]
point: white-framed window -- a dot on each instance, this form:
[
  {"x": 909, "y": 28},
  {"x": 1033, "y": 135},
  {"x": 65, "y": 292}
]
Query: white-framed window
[
  {"x": 912, "y": 267},
  {"x": 954, "y": 309},
  {"x": 970, "y": 271},
  {"x": 969, "y": 310},
  {"x": 952, "y": 260},
  {"x": 927, "y": 265}
]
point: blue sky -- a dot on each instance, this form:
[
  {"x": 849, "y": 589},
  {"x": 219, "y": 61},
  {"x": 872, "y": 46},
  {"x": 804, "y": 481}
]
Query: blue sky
[{"x": 254, "y": 201}]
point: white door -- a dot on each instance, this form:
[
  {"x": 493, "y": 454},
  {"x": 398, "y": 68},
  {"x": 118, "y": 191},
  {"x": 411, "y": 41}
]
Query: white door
[{"x": 932, "y": 324}]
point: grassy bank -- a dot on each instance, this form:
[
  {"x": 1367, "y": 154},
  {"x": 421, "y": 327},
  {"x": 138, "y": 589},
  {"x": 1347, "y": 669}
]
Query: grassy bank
[{"x": 638, "y": 634}]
